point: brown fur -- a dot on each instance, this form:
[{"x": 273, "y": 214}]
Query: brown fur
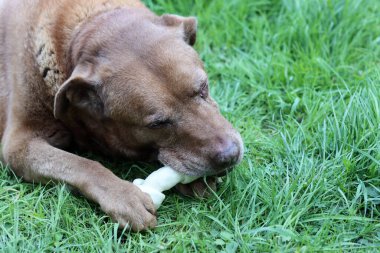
[{"x": 108, "y": 76}]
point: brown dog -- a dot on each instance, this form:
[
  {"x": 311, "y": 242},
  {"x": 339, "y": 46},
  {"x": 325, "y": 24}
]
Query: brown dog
[{"x": 107, "y": 76}]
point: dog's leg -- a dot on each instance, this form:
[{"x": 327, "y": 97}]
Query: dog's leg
[{"x": 36, "y": 160}]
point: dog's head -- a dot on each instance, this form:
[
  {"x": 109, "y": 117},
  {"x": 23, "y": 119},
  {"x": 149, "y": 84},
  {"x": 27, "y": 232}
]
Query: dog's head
[{"x": 139, "y": 88}]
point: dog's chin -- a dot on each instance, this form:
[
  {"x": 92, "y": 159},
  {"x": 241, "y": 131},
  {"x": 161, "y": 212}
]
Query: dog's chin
[
  {"x": 199, "y": 172},
  {"x": 207, "y": 173},
  {"x": 189, "y": 172},
  {"x": 179, "y": 167}
]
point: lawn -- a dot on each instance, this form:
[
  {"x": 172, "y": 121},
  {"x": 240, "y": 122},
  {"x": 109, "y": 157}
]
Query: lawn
[{"x": 301, "y": 82}]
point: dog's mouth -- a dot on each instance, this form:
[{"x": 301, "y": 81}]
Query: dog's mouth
[{"x": 191, "y": 166}]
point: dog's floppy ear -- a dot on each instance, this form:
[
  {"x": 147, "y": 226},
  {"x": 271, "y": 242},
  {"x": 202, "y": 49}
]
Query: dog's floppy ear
[
  {"x": 188, "y": 24},
  {"x": 81, "y": 91}
]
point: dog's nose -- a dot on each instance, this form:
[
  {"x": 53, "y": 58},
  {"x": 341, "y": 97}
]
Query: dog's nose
[{"x": 227, "y": 155}]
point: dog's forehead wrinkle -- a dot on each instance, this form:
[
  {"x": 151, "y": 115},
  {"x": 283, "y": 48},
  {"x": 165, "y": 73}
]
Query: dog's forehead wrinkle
[
  {"x": 157, "y": 84},
  {"x": 170, "y": 52},
  {"x": 141, "y": 36},
  {"x": 179, "y": 78},
  {"x": 145, "y": 101}
]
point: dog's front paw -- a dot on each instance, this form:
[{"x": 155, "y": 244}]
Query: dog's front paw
[
  {"x": 126, "y": 204},
  {"x": 198, "y": 188}
]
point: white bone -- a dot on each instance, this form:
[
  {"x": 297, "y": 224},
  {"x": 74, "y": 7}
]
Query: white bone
[{"x": 161, "y": 180}]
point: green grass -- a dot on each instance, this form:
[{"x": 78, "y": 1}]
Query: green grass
[{"x": 301, "y": 81}]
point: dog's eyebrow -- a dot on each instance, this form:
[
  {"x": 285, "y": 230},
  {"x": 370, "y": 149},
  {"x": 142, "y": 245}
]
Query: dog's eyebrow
[
  {"x": 200, "y": 79},
  {"x": 199, "y": 87},
  {"x": 201, "y": 84}
]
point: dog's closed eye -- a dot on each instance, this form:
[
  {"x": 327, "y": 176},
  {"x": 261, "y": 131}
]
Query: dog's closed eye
[
  {"x": 203, "y": 91},
  {"x": 160, "y": 123}
]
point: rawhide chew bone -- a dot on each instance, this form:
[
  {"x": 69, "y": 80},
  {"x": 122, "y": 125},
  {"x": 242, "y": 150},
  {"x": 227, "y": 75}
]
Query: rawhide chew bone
[{"x": 161, "y": 180}]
